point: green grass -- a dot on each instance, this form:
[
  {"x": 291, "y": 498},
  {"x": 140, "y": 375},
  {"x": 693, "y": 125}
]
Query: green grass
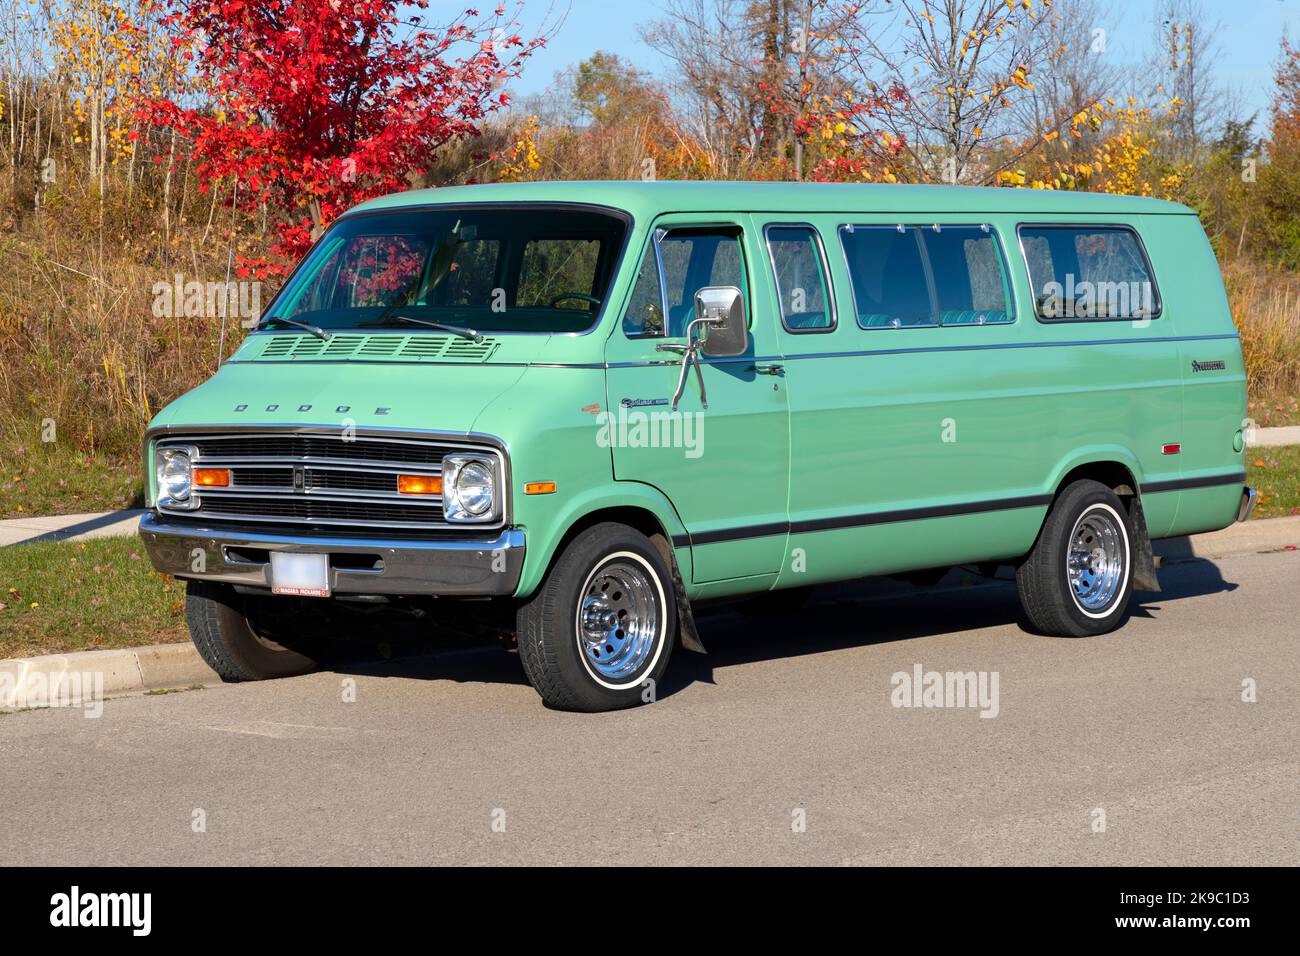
[
  {"x": 55, "y": 479},
  {"x": 1275, "y": 474},
  {"x": 76, "y": 596}
]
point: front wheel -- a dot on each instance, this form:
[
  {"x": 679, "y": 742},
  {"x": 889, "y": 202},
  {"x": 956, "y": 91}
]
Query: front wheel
[
  {"x": 1078, "y": 579},
  {"x": 229, "y": 639},
  {"x": 598, "y": 633}
]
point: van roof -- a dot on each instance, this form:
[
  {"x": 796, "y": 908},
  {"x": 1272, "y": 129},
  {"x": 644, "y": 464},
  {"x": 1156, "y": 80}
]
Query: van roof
[{"x": 648, "y": 199}]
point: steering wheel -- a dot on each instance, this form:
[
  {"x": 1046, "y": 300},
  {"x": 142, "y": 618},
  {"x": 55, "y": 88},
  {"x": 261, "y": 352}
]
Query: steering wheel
[{"x": 573, "y": 295}]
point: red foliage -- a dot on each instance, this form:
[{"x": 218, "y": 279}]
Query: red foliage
[
  {"x": 317, "y": 105},
  {"x": 1286, "y": 102}
]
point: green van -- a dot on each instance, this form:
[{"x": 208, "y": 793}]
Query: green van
[{"x": 600, "y": 404}]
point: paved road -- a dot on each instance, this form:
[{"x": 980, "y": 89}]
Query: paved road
[{"x": 788, "y": 713}]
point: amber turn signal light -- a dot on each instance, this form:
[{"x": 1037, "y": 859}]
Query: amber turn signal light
[
  {"x": 539, "y": 488},
  {"x": 211, "y": 477},
  {"x": 419, "y": 484}
]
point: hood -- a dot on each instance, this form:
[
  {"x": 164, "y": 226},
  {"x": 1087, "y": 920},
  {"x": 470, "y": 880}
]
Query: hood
[{"x": 420, "y": 382}]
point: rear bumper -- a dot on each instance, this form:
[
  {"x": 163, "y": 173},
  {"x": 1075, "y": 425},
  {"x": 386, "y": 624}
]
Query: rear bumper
[
  {"x": 1249, "y": 497},
  {"x": 482, "y": 567}
]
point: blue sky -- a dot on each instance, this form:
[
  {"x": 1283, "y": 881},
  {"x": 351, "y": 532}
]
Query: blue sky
[{"x": 1248, "y": 34}]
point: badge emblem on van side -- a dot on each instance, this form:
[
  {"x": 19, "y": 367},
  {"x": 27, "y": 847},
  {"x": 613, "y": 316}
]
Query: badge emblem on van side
[{"x": 1215, "y": 366}]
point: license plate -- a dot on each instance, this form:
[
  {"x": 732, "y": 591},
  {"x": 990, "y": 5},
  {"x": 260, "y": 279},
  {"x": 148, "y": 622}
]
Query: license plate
[{"x": 304, "y": 575}]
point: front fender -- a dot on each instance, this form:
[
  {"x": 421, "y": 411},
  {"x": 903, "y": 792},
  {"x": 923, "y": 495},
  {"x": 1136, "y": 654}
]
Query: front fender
[{"x": 546, "y": 530}]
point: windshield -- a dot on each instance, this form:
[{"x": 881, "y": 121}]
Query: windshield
[{"x": 492, "y": 269}]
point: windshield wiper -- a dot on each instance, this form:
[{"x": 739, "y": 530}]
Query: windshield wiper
[
  {"x": 440, "y": 326},
  {"x": 315, "y": 330}
]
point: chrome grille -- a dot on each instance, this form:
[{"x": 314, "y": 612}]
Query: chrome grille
[{"x": 320, "y": 479}]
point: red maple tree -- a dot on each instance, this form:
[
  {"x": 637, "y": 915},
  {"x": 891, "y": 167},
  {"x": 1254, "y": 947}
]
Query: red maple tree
[{"x": 316, "y": 105}]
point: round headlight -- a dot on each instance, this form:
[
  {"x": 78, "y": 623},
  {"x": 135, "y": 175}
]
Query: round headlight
[
  {"x": 474, "y": 488},
  {"x": 174, "y": 474}
]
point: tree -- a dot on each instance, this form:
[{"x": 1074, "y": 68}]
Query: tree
[
  {"x": 752, "y": 74},
  {"x": 1188, "y": 49},
  {"x": 1280, "y": 181},
  {"x": 1080, "y": 73},
  {"x": 320, "y": 104},
  {"x": 963, "y": 62}
]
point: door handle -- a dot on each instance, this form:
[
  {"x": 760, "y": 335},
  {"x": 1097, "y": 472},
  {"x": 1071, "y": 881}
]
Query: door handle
[{"x": 774, "y": 369}]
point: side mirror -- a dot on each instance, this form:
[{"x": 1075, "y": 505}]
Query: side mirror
[{"x": 720, "y": 310}]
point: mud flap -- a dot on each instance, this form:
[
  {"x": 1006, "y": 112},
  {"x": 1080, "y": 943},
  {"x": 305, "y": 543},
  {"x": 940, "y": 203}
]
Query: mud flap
[
  {"x": 687, "y": 633},
  {"x": 1144, "y": 565}
]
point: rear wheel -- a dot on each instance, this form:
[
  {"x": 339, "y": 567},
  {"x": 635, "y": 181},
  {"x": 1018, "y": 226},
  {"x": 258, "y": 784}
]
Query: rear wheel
[
  {"x": 1078, "y": 579},
  {"x": 599, "y": 630},
  {"x": 229, "y": 640}
]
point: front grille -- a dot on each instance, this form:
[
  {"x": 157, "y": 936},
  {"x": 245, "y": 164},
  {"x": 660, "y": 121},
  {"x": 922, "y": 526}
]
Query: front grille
[
  {"x": 300, "y": 447},
  {"x": 318, "y": 511},
  {"x": 262, "y": 477},
  {"x": 321, "y": 480}
]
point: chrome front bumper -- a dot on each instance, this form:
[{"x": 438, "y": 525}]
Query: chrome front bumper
[{"x": 473, "y": 567}]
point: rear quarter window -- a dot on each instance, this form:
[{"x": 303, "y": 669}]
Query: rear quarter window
[{"x": 1089, "y": 273}]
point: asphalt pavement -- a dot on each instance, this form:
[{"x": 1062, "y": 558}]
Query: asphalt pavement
[{"x": 786, "y": 744}]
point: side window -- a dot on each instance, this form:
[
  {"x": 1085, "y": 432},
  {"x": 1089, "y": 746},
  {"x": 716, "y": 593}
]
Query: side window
[
  {"x": 692, "y": 259},
  {"x": 802, "y": 286},
  {"x": 970, "y": 281},
  {"x": 1081, "y": 273},
  {"x": 645, "y": 311},
  {"x": 891, "y": 288}
]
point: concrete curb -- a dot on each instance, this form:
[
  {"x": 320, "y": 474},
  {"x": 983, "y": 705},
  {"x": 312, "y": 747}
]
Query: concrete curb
[
  {"x": 40, "y": 681},
  {"x": 1273, "y": 437},
  {"x": 1266, "y": 534}
]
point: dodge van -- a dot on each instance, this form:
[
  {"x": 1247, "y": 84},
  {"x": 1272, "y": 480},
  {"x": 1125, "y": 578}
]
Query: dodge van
[{"x": 599, "y": 405}]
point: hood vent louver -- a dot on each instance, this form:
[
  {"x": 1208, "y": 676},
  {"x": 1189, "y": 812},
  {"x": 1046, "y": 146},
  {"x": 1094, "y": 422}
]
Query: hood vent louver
[{"x": 404, "y": 348}]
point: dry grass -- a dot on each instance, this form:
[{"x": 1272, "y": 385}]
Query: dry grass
[
  {"x": 79, "y": 345},
  {"x": 1266, "y": 306}
]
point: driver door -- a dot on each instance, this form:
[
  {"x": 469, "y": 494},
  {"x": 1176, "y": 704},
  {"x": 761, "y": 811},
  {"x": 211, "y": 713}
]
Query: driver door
[{"x": 724, "y": 467}]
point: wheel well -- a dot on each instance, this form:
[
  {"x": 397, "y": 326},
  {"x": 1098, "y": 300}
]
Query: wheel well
[
  {"x": 638, "y": 519},
  {"x": 1112, "y": 474},
  {"x": 645, "y": 521}
]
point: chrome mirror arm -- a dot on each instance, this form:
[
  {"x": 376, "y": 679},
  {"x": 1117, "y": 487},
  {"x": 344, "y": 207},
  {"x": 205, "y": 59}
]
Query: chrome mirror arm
[
  {"x": 690, "y": 353},
  {"x": 688, "y": 359}
]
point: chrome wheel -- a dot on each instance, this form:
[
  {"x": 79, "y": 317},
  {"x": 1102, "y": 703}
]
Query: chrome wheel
[
  {"x": 619, "y": 618},
  {"x": 1096, "y": 559}
]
